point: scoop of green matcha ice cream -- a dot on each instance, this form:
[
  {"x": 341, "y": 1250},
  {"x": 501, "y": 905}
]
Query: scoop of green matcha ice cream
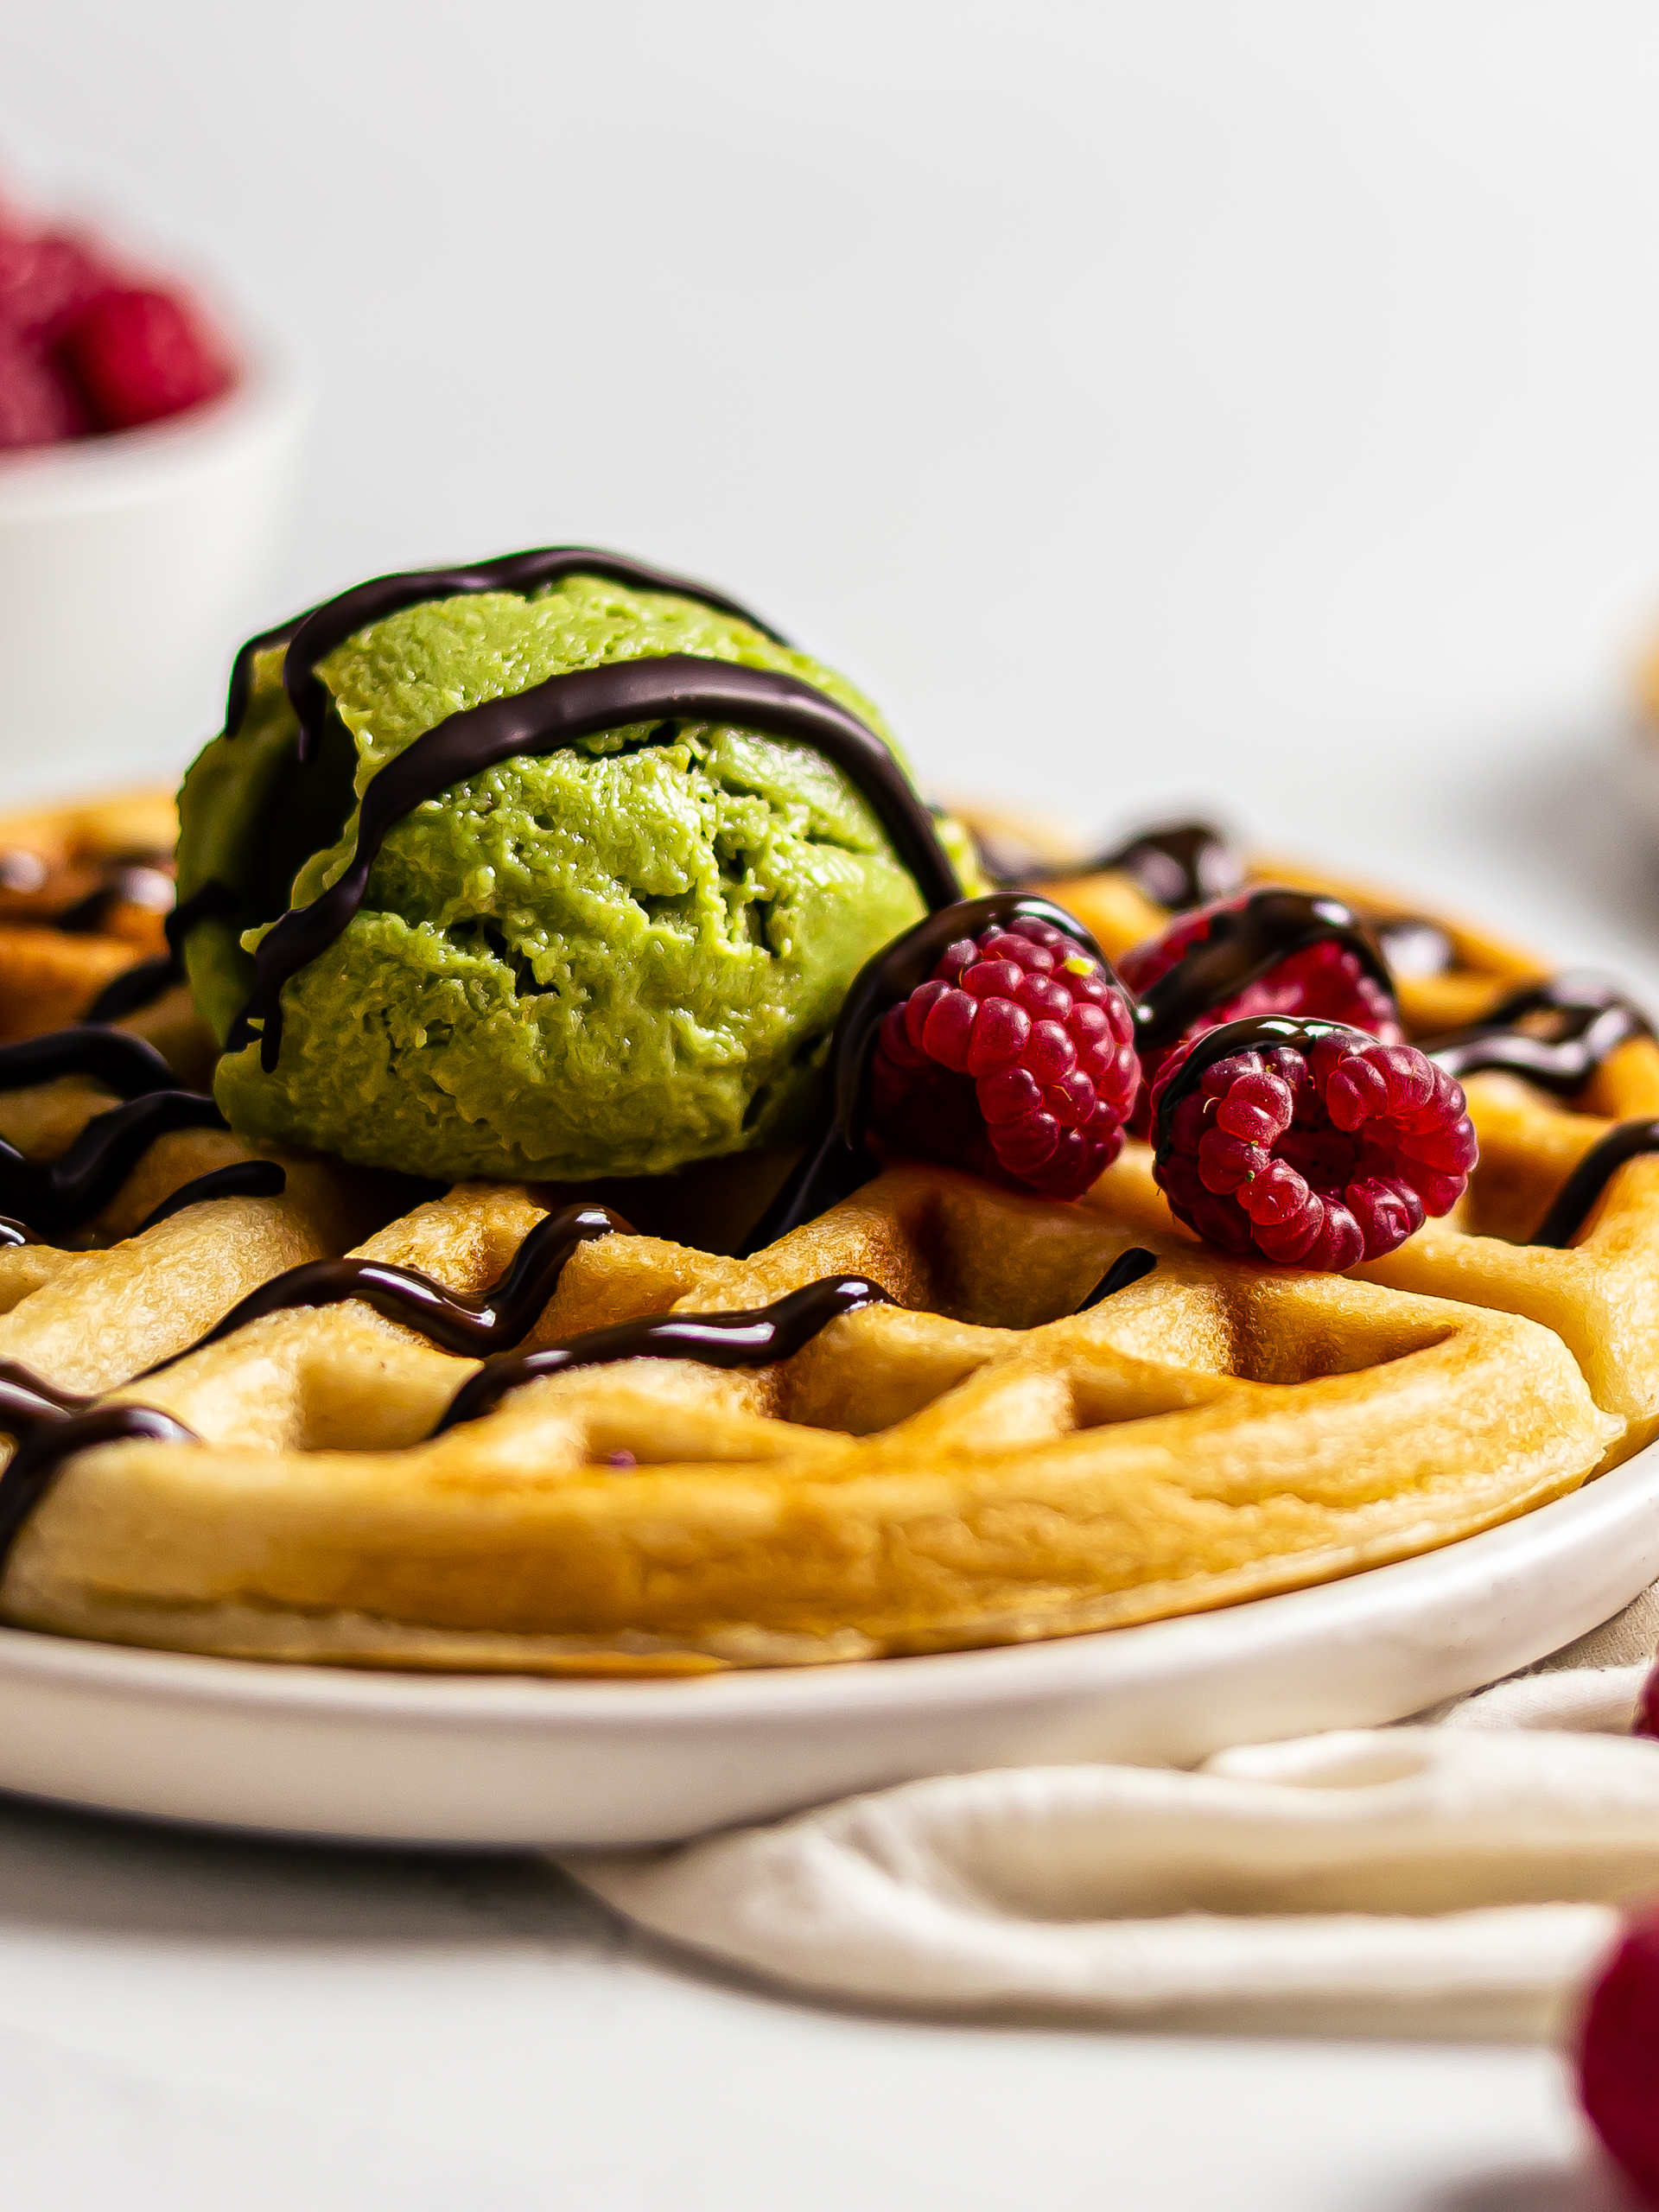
[{"x": 610, "y": 960}]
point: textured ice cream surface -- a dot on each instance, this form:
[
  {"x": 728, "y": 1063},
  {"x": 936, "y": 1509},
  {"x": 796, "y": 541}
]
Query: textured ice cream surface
[{"x": 615, "y": 959}]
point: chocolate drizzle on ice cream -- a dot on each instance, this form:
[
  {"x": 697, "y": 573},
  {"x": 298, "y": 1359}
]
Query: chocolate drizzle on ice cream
[
  {"x": 585, "y": 702},
  {"x": 311, "y": 637}
]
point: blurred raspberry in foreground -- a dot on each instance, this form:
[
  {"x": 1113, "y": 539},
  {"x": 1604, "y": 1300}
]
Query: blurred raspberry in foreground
[{"x": 1618, "y": 2056}]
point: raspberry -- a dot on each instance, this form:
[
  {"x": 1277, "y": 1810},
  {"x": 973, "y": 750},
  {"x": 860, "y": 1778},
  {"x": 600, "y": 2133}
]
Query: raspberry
[
  {"x": 46, "y": 281},
  {"x": 1308, "y": 1143},
  {"x": 1327, "y": 981},
  {"x": 36, "y": 407},
  {"x": 1618, "y": 2056},
  {"x": 138, "y": 356},
  {"x": 1016, "y": 1059}
]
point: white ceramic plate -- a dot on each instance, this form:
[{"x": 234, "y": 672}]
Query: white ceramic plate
[{"x": 325, "y": 1751}]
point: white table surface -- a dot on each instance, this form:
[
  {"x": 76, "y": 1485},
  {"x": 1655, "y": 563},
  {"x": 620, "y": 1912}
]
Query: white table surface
[{"x": 1251, "y": 405}]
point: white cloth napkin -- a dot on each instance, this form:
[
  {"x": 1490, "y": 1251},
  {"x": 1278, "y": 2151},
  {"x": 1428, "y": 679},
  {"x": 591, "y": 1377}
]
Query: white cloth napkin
[{"x": 1459, "y": 1874}]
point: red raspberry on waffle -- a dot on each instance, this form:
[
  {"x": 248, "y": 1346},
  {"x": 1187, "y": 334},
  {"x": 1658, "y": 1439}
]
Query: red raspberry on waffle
[
  {"x": 1015, "y": 1059},
  {"x": 1307, "y": 1142},
  {"x": 1329, "y": 969}
]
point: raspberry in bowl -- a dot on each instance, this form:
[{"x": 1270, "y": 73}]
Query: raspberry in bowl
[{"x": 146, "y": 454}]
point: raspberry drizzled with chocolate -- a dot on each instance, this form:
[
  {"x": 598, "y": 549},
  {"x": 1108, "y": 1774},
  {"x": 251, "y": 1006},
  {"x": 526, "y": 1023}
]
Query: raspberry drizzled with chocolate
[
  {"x": 1266, "y": 951},
  {"x": 1307, "y": 1142}
]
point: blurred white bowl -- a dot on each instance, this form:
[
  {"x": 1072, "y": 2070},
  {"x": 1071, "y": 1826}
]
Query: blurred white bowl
[{"x": 129, "y": 565}]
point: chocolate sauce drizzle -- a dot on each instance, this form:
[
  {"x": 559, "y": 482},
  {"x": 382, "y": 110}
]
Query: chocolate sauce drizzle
[
  {"x": 1128, "y": 1267},
  {"x": 36, "y": 1199},
  {"x": 470, "y": 1325},
  {"x": 64, "y": 1193},
  {"x": 242, "y": 1179},
  {"x": 1577, "y": 1197},
  {"x": 45, "y": 1443},
  {"x": 751, "y": 1338},
  {"x": 30, "y": 897},
  {"x": 311, "y": 637},
  {"x": 28, "y": 1399},
  {"x": 1256, "y": 1034},
  {"x": 838, "y": 1164},
  {"x": 52, "y": 1425},
  {"x": 1586, "y": 1020},
  {"x": 1176, "y": 864},
  {"x": 125, "y": 1064},
  {"x": 1180, "y": 865},
  {"x": 1240, "y": 948},
  {"x": 141, "y": 984},
  {"x": 67, "y": 1191},
  {"x": 585, "y": 702}
]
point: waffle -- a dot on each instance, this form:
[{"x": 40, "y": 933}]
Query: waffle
[
  {"x": 84, "y": 893},
  {"x": 987, "y": 1450}
]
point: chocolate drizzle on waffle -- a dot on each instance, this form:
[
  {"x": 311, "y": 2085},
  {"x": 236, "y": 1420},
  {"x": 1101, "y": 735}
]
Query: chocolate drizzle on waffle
[
  {"x": 1176, "y": 864},
  {"x": 27, "y": 1399},
  {"x": 1239, "y": 949},
  {"x": 81, "y": 897},
  {"x": 48, "y": 1441},
  {"x": 753, "y": 1338},
  {"x": 1128, "y": 1267},
  {"x": 51, "y": 1426},
  {"x": 838, "y": 1164},
  {"x": 71, "y": 1189},
  {"x": 466, "y": 1325},
  {"x": 122, "y": 1064},
  {"x": 1577, "y": 1196},
  {"x": 1580, "y": 1022},
  {"x": 62, "y": 1193},
  {"x": 311, "y": 637},
  {"x": 143, "y": 984},
  {"x": 241, "y": 1178}
]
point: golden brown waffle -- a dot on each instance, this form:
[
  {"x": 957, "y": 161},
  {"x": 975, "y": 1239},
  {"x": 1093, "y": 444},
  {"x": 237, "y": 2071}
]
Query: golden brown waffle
[
  {"x": 978, "y": 1463},
  {"x": 103, "y": 1307},
  {"x": 979, "y": 1466},
  {"x": 1601, "y": 1295},
  {"x": 105, "y": 867}
]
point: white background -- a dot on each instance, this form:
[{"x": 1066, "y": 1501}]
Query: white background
[{"x": 1257, "y": 405}]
